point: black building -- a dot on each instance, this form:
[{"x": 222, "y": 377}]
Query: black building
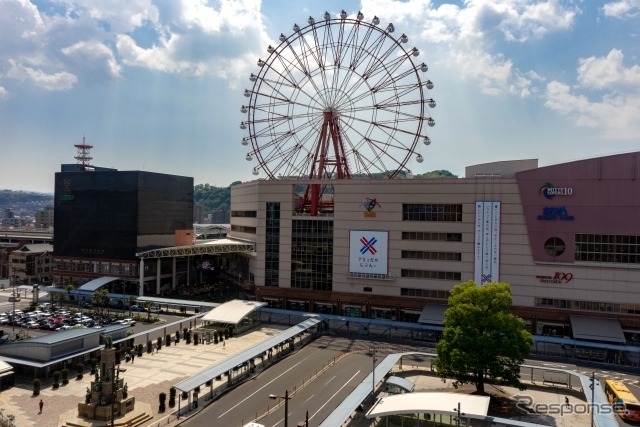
[{"x": 103, "y": 217}]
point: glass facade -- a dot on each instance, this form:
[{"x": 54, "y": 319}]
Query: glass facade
[
  {"x": 272, "y": 245},
  {"x": 431, "y": 212},
  {"x": 312, "y": 254},
  {"x": 615, "y": 248}
]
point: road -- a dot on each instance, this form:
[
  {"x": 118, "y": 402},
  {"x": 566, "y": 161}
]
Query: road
[{"x": 301, "y": 374}]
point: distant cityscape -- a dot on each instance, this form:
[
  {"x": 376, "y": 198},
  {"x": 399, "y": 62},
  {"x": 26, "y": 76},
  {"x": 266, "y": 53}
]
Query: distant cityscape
[{"x": 24, "y": 210}]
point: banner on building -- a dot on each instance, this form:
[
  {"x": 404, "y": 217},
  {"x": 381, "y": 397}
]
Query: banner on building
[
  {"x": 368, "y": 251},
  {"x": 487, "y": 242}
]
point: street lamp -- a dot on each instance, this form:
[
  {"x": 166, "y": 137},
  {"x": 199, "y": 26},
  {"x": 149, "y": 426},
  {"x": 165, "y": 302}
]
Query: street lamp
[
  {"x": 457, "y": 410},
  {"x": 373, "y": 376},
  {"x": 286, "y": 405}
]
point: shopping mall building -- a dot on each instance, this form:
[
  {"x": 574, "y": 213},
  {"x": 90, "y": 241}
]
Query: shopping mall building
[{"x": 566, "y": 237}]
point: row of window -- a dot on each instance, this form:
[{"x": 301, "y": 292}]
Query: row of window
[
  {"x": 244, "y": 214},
  {"x": 116, "y": 269},
  {"x": 431, "y": 212},
  {"x": 425, "y": 293},
  {"x": 312, "y": 253},
  {"x": 243, "y": 229},
  {"x": 435, "y": 256},
  {"x": 272, "y": 245},
  {"x": 587, "y": 305},
  {"x": 438, "y": 237},
  {"x": 429, "y": 274},
  {"x": 609, "y": 248}
]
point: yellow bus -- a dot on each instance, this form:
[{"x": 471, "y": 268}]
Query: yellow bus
[{"x": 624, "y": 402}]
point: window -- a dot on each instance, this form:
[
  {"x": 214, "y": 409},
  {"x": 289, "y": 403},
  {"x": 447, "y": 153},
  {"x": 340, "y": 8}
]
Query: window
[
  {"x": 607, "y": 248},
  {"x": 441, "y": 237},
  {"x": 431, "y": 212},
  {"x": 425, "y": 293},
  {"x": 436, "y": 256},
  {"x": 312, "y": 254},
  {"x": 426, "y": 274},
  {"x": 244, "y": 214},
  {"x": 272, "y": 245},
  {"x": 554, "y": 246},
  {"x": 243, "y": 229}
]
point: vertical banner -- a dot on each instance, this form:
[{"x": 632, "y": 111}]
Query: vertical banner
[
  {"x": 368, "y": 251},
  {"x": 477, "y": 270},
  {"x": 495, "y": 241},
  {"x": 487, "y": 243}
]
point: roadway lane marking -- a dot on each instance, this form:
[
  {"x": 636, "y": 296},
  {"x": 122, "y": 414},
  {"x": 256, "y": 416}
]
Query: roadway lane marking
[
  {"x": 265, "y": 386},
  {"x": 331, "y": 379},
  {"x": 334, "y": 395}
]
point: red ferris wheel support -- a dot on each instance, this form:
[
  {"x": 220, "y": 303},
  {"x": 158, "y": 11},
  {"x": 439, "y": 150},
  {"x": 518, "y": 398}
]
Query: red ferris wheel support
[{"x": 325, "y": 165}]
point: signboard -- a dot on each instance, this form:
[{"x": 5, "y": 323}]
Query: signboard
[
  {"x": 487, "y": 243},
  {"x": 368, "y": 251}
]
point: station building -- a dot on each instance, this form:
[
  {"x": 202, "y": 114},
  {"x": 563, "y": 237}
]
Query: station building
[{"x": 566, "y": 237}]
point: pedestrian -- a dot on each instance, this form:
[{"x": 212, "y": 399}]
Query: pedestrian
[
  {"x": 223, "y": 343},
  {"x": 566, "y": 401},
  {"x": 41, "y": 404},
  {"x": 133, "y": 355}
]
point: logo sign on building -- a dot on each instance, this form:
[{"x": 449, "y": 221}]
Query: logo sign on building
[
  {"x": 551, "y": 213},
  {"x": 368, "y": 251},
  {"x": 369, "y": 204},
  {"x": 558, "y": 277},
  {"x": 487, "y": 243},
  {"x": 549, "y": 191}
]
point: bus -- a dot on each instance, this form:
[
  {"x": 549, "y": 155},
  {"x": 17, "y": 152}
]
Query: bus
[{"x": 624, "y": 402}]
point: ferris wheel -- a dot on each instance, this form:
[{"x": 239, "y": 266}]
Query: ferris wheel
[{"x": 338, "y": 98}]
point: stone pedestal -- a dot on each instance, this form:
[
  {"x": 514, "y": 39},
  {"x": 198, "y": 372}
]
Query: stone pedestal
[{"x": 107, "y": 397}]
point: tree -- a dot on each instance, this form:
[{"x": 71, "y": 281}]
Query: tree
[
  {"x": 147, "y": 306},
  {"x": 131, "y": 301},
  {"x": 482, "y": 339},
  {"x": 100, "y": 298}
]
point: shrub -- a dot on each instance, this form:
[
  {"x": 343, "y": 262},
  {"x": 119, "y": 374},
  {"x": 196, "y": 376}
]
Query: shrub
[
  {"x": 167, "y": 340},
  {"x": 172, "y": 397},
  {"x": 36, "y": 386},
  {"x": 215, "y": 337},
  {"x": 177, "y": 337},
  {"x": 159, "y": 343},
  {"x": 195, "y": 338},
  {"x": 187, "y": 337},
  {"x": 56, "y": 379},
  {"x": 149, "y": 346},
  {"x": 162, "y": 397},
  {"x": 94, "y": 365},
  {"x": 139, "y": 348},
  {"x": 79, "y": 371},
  {"x": 65, "y": 376}
]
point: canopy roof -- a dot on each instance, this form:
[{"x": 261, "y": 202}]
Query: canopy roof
[
  {"x": 597, "y": 328},
  {"x": 434, "y": 403},
  {"x": 232, "y": 312}
]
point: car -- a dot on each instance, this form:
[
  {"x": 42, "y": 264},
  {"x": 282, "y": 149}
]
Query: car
[
  {"x": 137, "y": 308},
  {"x": 128, "y": 322},
  {"x": 14, "y": 298}
]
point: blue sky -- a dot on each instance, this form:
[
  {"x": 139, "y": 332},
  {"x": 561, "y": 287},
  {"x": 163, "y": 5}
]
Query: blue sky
[{"x": 157, "y": 85}]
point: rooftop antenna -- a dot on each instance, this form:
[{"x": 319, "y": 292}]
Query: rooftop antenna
[{"x": 84, "y": 153}]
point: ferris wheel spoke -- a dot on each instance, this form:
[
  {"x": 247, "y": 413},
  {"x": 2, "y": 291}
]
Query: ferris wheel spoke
[{"x": 339, "y": 69}]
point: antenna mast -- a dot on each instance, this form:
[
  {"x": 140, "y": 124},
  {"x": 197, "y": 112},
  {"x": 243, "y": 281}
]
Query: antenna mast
[{"x": 84, "y": 153}]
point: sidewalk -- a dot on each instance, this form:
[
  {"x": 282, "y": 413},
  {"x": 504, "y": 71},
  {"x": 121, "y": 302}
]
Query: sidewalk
[{"x": 146, "y": 378}]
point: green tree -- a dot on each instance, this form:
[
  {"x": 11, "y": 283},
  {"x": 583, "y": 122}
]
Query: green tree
[
  {"x": 55, "y": 296},
  {"x": 131, "y": 301},
  {"x": 482, "y": 339},
  {"x": 147, "y": 306},
  {"x": 100, "y": 298}
]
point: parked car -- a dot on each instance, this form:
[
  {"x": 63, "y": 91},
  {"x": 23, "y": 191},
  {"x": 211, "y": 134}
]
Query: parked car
[
  {"x": 128, "y": 322},
  {"x": 14, "y": 298}
]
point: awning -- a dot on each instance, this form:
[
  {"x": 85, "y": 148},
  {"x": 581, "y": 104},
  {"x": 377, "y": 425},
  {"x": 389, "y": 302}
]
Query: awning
[
  {"x": 427, "y": 402},
  {"x": 96, "y": 284},
  {"x": 433, "y": 314},
  {"x": 401, "y": 383},
  {"x": 232, "y": 312},
  {"x": 597, "y": 329}
]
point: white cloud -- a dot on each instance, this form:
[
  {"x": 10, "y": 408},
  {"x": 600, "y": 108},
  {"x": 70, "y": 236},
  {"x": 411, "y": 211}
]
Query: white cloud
[
  {"x": 56, "y": 81},
  {"x": 4, "y": 93},
  {"x": 609, "y": 73},
  {"x": 93, "y": 60},
  {"x": 615, "y": 114},
  {"x": 622, "y": 9}
]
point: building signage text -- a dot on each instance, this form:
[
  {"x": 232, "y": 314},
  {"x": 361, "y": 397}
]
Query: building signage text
[
  {"x": 559, "y": 277},
  {"x": 551, "y": 213},
  {"x": 549, "y": 191}
]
